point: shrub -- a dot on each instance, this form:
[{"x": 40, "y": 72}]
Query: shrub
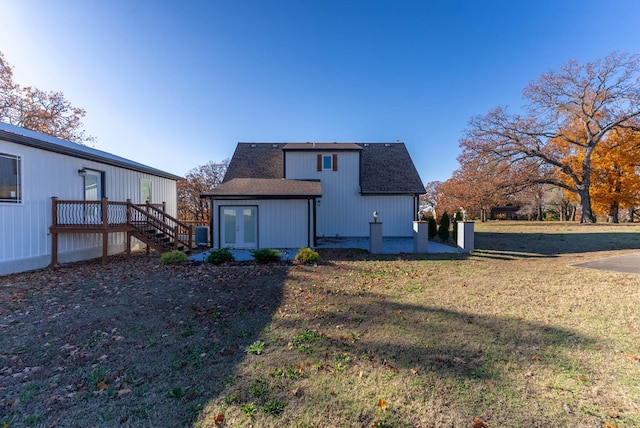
[
  {"x": 443, "y": 230},
  {"x": 220, "y": 256},
  {"x": 454, "y": 230},
  {"x": 432, "y": 228},
  {"x": 266, "y": 255},
  {"x": 307, "y": 255},
  {"x": 173, "y": 257}
]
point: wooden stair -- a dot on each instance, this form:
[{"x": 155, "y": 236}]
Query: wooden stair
[{"x": 148, "y": 223}]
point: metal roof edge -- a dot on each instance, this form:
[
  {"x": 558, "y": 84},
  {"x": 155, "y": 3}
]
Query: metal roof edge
[{"x": 87, "y": 153}]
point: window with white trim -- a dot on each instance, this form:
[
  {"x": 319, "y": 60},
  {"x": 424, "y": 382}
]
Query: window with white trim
[
  {"x": 10, "y": 178},
  {"x": 327, "y": 162},
  {"x": 145, "y": 190}
]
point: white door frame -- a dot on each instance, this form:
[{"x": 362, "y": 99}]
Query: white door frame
[{"x": 235, "y": 231}]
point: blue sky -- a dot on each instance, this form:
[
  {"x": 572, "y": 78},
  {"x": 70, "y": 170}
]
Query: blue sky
[{"x": 175, "y": 84}]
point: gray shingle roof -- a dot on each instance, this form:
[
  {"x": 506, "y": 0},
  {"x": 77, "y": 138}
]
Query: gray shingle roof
[
  {"x": 256, "y": 160},
  {"x": 388, "y": 168},
  {"x": 266, "y": 188},
  {"x": 385, "y": 167}
]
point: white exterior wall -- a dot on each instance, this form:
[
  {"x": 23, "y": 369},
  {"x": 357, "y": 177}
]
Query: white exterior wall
[
  {"x": 343, "y": 211},
  {"x": 25, "y": 242},
  {"x": 281, "y": 223}
]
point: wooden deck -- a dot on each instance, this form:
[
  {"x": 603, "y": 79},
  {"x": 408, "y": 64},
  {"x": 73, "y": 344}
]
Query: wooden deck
[{"x": 147, "y": 222}]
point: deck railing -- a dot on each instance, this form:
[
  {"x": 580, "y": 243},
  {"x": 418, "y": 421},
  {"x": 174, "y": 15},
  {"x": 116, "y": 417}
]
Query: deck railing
[
  {"x": 148, "y": 221},
  {"x": 147, "y": 216}
]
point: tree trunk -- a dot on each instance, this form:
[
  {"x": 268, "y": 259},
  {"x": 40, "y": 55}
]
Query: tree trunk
[
  {"x": 586, "y": 215},
  {"x": 614, "y": 210}
]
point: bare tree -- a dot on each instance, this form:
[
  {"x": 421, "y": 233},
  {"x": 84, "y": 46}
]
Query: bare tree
[
  {"x": 198, "y": 180},
  {"x": 595, "y": 98}
]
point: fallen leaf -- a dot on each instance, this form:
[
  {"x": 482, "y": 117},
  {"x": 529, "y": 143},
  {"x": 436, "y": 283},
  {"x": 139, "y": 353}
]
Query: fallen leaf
[
  {"x": 382, "y": 405},
  {"x": 124, "y": 391},
  {"x": 219, "y": 419},
  {"x": 102, "y": 385},
  {"x": 414, "y": 371},
  {"x": 490, "y": 383},
  {"x": 479, "y": 423},
  {"x": 536, "y": 358},
  {"x": 608, "y": 425},
  {"x": 632, "y": 357}
]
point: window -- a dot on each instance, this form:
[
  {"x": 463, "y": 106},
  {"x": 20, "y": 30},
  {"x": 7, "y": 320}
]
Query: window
[
  {"x": 328, "y": 162},
  {"x": 10, "y": 174},
  {"x": 145, "y": 190}
]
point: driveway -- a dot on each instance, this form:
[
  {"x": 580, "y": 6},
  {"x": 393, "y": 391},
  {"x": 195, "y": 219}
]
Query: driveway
[{"x": 628, "y": 263}]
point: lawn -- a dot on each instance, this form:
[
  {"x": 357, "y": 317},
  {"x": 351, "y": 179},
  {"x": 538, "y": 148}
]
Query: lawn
[{"x": 508, "y": 336}]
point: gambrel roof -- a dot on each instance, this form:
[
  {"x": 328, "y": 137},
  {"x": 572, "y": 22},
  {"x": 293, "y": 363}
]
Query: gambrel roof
[{"x": 385, "y": 168}]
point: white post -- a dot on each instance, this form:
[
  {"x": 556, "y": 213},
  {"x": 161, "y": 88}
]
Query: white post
[
  {"x": 465, "y": 235},
  {"x": 420, "y": 236},
  {"x": 375, "y": 237}
]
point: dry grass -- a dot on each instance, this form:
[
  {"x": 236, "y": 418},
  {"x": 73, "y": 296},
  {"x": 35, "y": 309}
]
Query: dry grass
[{"x": 510, "y": 335}]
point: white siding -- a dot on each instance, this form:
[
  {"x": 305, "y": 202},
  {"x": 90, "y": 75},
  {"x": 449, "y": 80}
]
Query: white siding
[
  {"x": 343, "y": 211},
  {"x": 281, "y": 223},
  {"x": 25, "y": 242}
]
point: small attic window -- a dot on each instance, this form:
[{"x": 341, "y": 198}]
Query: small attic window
[
  {"x": 327, "y": 162},
  {"x": 253, "y": 146}
]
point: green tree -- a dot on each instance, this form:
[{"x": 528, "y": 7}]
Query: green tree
[{"x": 445, "y": 224}]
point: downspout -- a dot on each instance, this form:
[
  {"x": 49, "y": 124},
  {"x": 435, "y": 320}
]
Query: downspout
[
  {"x": 211, "y": 215},
  {"x": 315, "y": 230},
  {"x": 309, "y": 222}
]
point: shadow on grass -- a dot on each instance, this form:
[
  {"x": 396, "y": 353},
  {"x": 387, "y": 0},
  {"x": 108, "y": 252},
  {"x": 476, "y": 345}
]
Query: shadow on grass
[
  {"x": 450, "y": 343},
  {"x": 354, "y": 344},
  {"x": 129, "y": 343},
  {"x": 506, "y": 246}
]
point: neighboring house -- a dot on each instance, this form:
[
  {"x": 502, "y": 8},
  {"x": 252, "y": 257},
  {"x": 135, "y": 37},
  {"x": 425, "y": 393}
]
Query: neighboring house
[
  {"x": 508, "y": 212},
  {"x": 289, "y": 195},
  {"x": 35, "y": 167}
]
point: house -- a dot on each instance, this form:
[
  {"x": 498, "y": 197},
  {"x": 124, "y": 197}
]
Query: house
[
  {"x": 290, "y": 195},
  {"x": 34, "y": 168}
]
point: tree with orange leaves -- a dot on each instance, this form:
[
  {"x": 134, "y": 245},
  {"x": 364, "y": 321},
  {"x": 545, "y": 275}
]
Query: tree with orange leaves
[
  {"x": 615, "y": 179},
  {"x": 599, "y": 97}
]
